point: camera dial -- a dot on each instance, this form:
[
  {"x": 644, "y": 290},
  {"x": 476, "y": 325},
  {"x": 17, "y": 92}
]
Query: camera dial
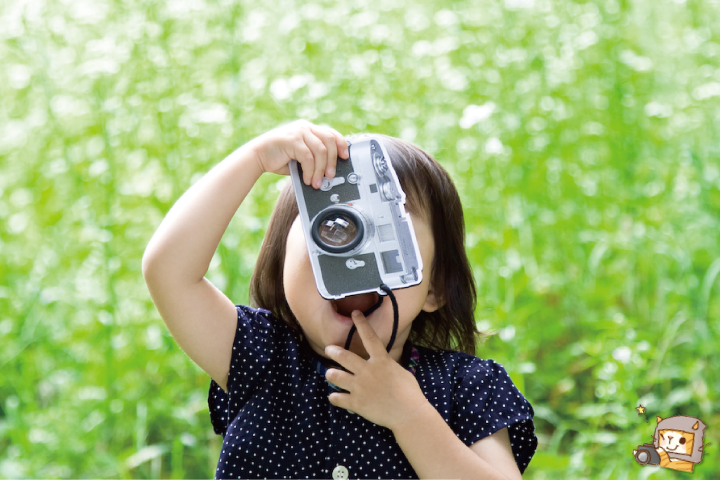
[
  {"x": 389, "y": 192},
  {"x": 380, "y": 164}
]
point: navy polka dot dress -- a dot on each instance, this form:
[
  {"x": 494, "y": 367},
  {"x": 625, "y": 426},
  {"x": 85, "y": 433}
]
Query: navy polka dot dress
[{"x": 277, "y": 422}]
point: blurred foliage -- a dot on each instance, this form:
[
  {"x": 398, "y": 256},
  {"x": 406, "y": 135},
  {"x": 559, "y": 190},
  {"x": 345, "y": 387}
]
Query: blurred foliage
[{"x": 583, "y": 137}]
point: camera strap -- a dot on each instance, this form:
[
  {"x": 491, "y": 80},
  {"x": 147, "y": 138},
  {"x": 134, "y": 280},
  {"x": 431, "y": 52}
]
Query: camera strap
[
  {"x": 322, "y": 369},
  {"x": 396, "y": 318}
]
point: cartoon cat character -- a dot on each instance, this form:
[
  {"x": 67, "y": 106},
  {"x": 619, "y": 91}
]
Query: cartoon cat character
[{"x": 678, "y": 442}]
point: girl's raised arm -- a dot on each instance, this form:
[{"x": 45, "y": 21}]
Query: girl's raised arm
[{"x": 199, "y": 316}]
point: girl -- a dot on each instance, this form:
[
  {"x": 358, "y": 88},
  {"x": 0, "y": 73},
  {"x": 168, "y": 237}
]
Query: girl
[{"x": 421, "y": 410}]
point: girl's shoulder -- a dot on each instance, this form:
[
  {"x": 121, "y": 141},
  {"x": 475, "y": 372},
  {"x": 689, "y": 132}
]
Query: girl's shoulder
[
  {"x": 477, "y": 398},
  {"x": 254, "y": 313},
  {"x": 463, "y": 375},
  {"x": 260, "y": 332},
  {"x": 259, "y": 320},
  {"x": 458, "y": 364}
]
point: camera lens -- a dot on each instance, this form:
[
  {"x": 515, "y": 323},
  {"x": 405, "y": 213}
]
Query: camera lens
[{"x": 338, "y": 229}]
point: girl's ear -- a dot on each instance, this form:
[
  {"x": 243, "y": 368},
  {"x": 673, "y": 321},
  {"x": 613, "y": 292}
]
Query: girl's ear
[{"x": 432, "y": 302}]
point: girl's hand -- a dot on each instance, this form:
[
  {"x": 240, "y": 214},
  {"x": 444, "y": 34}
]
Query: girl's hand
[
  {"x": 380, "y": 389},
  {"x": 316, "y": 148}
]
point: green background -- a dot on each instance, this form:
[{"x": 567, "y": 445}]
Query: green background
[{"x": 583, "y": 136}]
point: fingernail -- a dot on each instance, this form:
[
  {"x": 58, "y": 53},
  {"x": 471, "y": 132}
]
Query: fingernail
[
  {"x": 316, "y": 183},
  {"x": 330, "y": 172},
  {"x": 346, "y": 153},
  {"x": 356, "y": 313}
]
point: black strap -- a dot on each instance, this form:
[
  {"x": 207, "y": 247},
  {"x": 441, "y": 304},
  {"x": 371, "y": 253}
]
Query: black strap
[{"x": 396, "y": 318}]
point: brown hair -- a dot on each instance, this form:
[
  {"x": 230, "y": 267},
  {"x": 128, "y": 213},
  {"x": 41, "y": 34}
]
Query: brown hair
[{"x": 430, "y": 193}]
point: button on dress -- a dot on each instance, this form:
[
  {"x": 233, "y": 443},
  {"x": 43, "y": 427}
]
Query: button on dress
[{"x": 277, "y": 422}]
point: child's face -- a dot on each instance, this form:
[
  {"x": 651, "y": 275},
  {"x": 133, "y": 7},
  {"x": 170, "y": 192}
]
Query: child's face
[{"x": 319, "y": 321}]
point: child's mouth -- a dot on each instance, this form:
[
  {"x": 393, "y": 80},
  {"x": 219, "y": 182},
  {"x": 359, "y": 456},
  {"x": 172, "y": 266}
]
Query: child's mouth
[{"x": 362, "y": 302}]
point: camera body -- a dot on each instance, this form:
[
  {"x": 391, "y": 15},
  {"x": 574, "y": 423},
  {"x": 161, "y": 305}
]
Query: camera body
[
  {"x": 358, "y": 234},
  {"x": 647, "y": 455}
]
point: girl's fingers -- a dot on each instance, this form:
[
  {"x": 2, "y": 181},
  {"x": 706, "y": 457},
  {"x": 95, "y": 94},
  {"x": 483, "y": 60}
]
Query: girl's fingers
[
  {"x": 347, "y": 359},
  {"x": 340, "y": 400},
  {"x": 339, "y": 378},
  {"x": 341, "y": 149},
  {"x": 372, "y": 343},
  {"x": 319, "y": 151},
  {"x": 317, "y": 148},
  {"x": 304, "y": 155},
  {"x": 342, "y": 146},
  {"x": 327, "y": 136}
]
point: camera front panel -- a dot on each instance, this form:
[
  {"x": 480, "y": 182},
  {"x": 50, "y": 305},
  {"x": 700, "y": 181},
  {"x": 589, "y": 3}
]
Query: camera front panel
[
  {"x": 356, "y": 228},
  {"x": 338, "y": 282}
]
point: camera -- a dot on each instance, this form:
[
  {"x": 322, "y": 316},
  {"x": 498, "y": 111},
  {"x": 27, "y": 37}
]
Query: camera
[
  {"x": 358, "y": 234},
  {"x": 647, "y": 455}
]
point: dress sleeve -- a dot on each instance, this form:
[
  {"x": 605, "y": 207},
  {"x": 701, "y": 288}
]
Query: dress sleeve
[
  {"x": 486, "y": 400},
  {"x": 250, "y": 358}
]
